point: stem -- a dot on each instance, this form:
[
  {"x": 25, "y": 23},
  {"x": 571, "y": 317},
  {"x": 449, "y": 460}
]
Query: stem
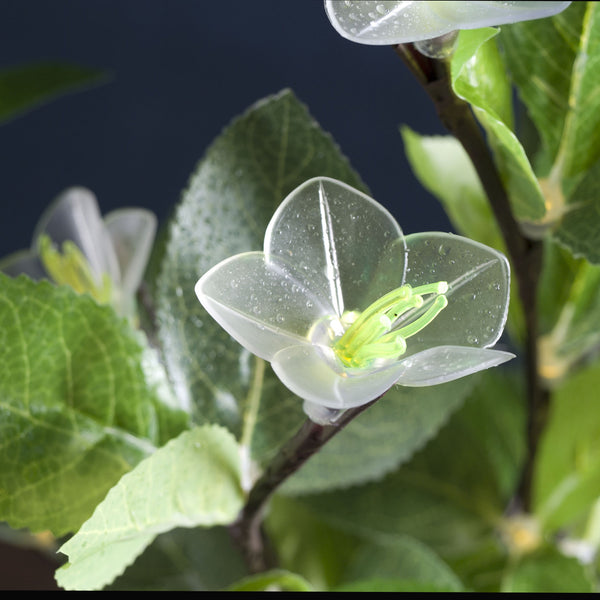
[
  {"x": 526, "y": 255},
  {"x": 247, "y": 530}
]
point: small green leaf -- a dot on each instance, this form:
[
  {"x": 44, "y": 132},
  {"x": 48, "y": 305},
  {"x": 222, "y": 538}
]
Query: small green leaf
[
  {"x": 82, "y": 401},
  {"x": 444, "y": 169},
  {"x": 567, "y": 476},
  {"x": 479, "y": 77},
  {"x": 24, "y": 88},
  {"x": 550, "y": 572},
  {"x": 244, "y": 176},
  {"x": 192, "y": 481},
  {"x": 276, "y": 580}
]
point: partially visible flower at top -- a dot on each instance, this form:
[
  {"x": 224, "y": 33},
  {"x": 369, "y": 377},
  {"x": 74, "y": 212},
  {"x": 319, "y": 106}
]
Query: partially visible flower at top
[
  {"x": 380, "y": 22},
  {"x": 73, "y": 245},
  {"x": 344, "y": 306}
]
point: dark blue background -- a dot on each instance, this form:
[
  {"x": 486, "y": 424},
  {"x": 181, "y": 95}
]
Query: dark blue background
[{"x": 181, "y": 70}]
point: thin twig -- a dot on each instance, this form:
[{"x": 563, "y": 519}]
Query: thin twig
[{"x": 247, "y": 530}]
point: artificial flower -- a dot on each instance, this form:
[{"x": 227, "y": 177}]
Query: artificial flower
[
  {"x": 344, "y": 306},
  {"x": 379, "y": 22},
  {"x": 73, "y": 245}
]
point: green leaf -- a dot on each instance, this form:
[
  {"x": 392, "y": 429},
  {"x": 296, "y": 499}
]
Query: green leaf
[
  {"x": 390, "y": 585},
  {"x": 555, "y": 64},
  {"x": 451, "y": 494},
  {"x": 305, "y": 543},
  {"x": 444, "y": 169},
  {"x": 185, "y": 560},
  {"x": 479, "y": 77},
  {"x": 82, "y": 400},
  {"x": 24, "y": 88},
  {"x": 401, "y": 557},
  {"x": 578, "y": 230},
  {"x": 192, "y": 481},
  {"x": 567, "y": 475},
  {"x": 261, "y": 157},
  {"x": 278, "y": 580},
  {"x": 550, "y": 572},
  {"x": 381, "y": 438}
]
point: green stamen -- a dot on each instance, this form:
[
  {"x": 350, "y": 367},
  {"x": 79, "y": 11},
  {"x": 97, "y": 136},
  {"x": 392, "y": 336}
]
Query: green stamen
[
  {"x": 372, "y": 336},
  {"x": 72, "y": 268}
]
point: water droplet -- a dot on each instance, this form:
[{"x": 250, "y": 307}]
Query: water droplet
[
  {"x": 309, "y": 304},
  {"x": 380, "y": 8},
  {"x": 472, "y": 339},
  {"x": 443, "y": 250}
]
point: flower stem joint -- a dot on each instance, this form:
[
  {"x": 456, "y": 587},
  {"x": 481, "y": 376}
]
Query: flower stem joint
[{"x": 342, "y": 304}]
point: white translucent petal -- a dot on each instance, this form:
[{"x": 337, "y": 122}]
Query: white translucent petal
[
  {"x": 311, "y": 373},
  {"x": 446, "y": 363},
  {"x": 378, "y": 22},
  {"x": 261, "y": 303},
  {"x": 24, "y": 261},
  {"x": 339, "y": 241},
  {"x": 75, "y": 216},
  {"x": 479, "y": 280},
  {"x": 132, "y": 232}
]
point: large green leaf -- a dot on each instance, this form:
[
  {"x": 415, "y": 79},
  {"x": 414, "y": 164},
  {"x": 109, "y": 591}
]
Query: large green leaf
[
  {"x": 451, "y": 495},
  {"x": 555, "y": 64},
  {"x": 82, "y": 400},
  {"x": 382, "y": 437},
  {"x": 401, "y": 557},
  {"x": 186, "y": 560},
  {"x": 579, "y": 229},
  {"x": 479, "y": 77},
  {"x": 548, "y": 571},
  {"x": 192, "y": 481},
  {"x": 25, "y": 87},
  {"x": 567, "y": 476}
]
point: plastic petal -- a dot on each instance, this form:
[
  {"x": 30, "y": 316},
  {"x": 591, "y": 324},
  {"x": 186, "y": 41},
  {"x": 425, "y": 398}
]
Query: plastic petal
[
  {"x": 478, "y": 295},
  {"x": 132, "y": 232},
  {"x": 75, "y": 216},
  {"x": 261, "y": 303},
  {"x": 309, "y": 372},
  {"x": 379, "y": 22},
  {"x": 446, "y": 363},
  {"x": 340, "y": 241}
]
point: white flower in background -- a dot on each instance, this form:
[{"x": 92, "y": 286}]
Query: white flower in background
[
  {"x": 379, "y": 22},
  {"x": 344, "y": 306},
  {"x": 73, "y": 245}
]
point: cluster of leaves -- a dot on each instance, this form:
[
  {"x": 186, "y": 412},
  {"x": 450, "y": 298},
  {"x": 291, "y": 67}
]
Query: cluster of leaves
[{"x": 146, "y": 450}]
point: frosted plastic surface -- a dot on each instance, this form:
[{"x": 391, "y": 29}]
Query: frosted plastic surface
[
  {"x": 446, "y": 363},
  {"x": 311, "y": 374},
  {"x": 380, "y": 22},
  {"x": 132, "y": 233},
  {"x": 339, "y": 241},
  {"x": 261, "y": 303},
  {"x": 75, "y": 216},
  {"x": 478, "y": 294}
]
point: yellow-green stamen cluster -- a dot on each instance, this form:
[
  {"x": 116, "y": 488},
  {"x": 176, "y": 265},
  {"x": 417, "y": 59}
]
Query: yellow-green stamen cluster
[
  {"x": 70, "y": 267},
  {"x": 372, "y": 335}
]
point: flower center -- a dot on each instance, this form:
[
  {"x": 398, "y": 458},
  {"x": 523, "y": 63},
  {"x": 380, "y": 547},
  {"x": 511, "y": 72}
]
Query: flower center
[
  {"x": 379, "y": 333},
  {"x": 70, "y": 267}
]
